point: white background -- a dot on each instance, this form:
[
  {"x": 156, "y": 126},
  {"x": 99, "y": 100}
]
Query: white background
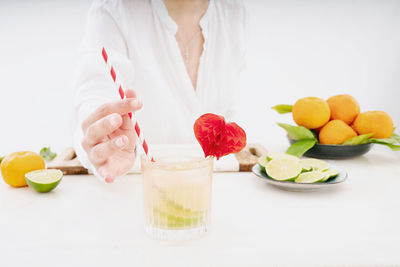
[{"x": 296, "y": 49}]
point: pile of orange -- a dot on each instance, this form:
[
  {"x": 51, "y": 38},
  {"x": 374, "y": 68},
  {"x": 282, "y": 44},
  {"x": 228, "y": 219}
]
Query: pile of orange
[{"x": 338, "y": 119}]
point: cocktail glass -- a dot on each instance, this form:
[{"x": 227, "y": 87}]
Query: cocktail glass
[{"x": 177, "y": 194}]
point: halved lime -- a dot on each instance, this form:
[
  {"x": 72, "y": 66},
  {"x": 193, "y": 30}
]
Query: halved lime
[
  {"x": 262, "y": 162},
  {"x": 283, "y": 169},
  {"x": 43, "y": 180},
  {"x": 329, "y": 174},
  {"x": 314, "y": 164},
  {"x": 310, "y": 177},
  {"x": 279, "y": 155}
]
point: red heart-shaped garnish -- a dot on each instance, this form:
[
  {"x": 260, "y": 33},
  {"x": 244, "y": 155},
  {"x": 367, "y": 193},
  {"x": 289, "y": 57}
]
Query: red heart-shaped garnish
[{"x": 218, "y": 138}]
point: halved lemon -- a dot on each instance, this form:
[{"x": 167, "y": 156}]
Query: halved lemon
[{"x": 43, "y": 180}]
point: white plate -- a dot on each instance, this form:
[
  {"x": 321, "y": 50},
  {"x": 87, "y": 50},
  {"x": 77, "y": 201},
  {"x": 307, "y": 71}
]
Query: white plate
[{"x": 292, "y": 186}]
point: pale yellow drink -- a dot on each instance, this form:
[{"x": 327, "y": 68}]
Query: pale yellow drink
[{"x": 177, "y": 195}]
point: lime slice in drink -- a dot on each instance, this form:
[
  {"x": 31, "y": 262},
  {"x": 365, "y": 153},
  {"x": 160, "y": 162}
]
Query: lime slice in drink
[
  {"x": 310, "y": 177},
  {"x": 314, "y": 164},
  {"x": 43, "y": 180},
  {"x": 169, "y": 214},
  {"x": 262, "y": 162},
  {"x": 278, "y": 155},
  {"x": 329, "y": 174},
  {"x": 283, "y": 169},
  {"x": 167, "y": 220}
]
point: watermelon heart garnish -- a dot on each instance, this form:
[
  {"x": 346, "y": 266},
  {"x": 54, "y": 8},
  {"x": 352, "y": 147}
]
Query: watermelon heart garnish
[{"x": 218, "y": 138}]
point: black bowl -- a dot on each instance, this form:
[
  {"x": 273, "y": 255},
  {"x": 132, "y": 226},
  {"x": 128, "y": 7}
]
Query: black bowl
[{"x": 336, "y": 151}]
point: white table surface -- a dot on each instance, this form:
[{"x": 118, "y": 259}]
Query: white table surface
[{"x": 87, "y": 223}]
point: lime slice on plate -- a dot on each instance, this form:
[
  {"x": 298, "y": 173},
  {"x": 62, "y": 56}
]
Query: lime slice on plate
[
  {"x": 278, "y": 155},
  {"x": 262, "y": 162},
  {"x": 314, "y": 164},
  {"x": 310, "y": 177},
  {"x": 283, "y": 169},
  {"x": 329, "y": 174},
  {"x": 43, "y": 180},
  {"x": 305, "y": 167}
]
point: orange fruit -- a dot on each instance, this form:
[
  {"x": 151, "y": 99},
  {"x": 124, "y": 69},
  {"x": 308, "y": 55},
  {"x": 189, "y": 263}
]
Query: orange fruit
[
  {"x": 14, "y": 166},
  {"x": 343, "y": 107},
  {"x": 378, "y": 122},
  {"x": 336, "y": 132},
  {"x": 318, "y": 129},
  {"x": 352, "y": 127},
  {"x": 311, "y": 112}
]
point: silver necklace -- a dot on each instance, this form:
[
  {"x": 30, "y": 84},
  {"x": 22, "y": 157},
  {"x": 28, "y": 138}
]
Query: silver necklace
[{"x": 186, "y": 45}]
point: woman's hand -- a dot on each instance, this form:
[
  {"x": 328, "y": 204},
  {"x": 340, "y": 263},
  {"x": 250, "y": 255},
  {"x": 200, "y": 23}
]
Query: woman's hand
[{"x": 109, "y": 138}]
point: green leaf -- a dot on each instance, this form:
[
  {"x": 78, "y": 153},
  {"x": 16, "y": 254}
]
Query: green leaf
[
  {"x": 297, "y": 132},
  {"x": 1, "y": 159},
  {"x": 301, "y": 147},
  {"x": 390, "y": 141},
  {"x": 282, "y": 109},
  {"x": 396, "y": 136},
  {"x": 47, "y": 154},
  {"x": 394, "y": 147},
  {"x": 315, "y": 133},
  {"x": 391, "y": 146},
  {"x": 358, "y": 140}
]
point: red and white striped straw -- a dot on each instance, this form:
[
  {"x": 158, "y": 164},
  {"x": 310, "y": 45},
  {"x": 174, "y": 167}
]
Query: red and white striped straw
[{"x": 121, "y": 92}]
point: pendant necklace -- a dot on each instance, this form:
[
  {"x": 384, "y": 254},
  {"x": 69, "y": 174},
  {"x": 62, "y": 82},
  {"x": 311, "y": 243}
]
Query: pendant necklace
[{"x": 186, "y": 45}]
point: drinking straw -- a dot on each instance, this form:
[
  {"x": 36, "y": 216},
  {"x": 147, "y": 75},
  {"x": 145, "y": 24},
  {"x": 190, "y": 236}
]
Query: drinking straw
[{"x": 121, "y": 92}]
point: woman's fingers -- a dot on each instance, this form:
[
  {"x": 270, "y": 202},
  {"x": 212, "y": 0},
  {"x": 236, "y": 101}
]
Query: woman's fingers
[
  {"x": 127, "y": 123},
  {"x": 120, "y": 106},
  {"x": 107, "y": 173},
  {"x": 97, "y": 131},
  {"x": 111, "y": 121},
  {"x": 101, "y": 152},
  {"x": 109, "y": 179},
  {"x": 130, "y": 93},
  {"x": 112, "y": 168}
]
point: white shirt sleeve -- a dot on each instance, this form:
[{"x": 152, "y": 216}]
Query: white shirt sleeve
[
  {"x": 93, "y": 84},
  {"x": 241, "y": 30}
]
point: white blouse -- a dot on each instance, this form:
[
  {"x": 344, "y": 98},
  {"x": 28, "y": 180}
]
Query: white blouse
[{"x": 139, "y": 36}]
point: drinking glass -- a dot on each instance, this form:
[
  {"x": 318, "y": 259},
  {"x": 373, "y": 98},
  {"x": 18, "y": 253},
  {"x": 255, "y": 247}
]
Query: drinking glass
[{"x": 177, "y": 194}]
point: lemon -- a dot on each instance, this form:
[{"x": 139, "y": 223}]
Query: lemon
[
  {"x": 310, "y": 177},
  {"x": 44, "y": 180},
  {"x": 314, "y": 164},
  {"x": 15, "y": 165},
  {"x": 283, "y": 169}
]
